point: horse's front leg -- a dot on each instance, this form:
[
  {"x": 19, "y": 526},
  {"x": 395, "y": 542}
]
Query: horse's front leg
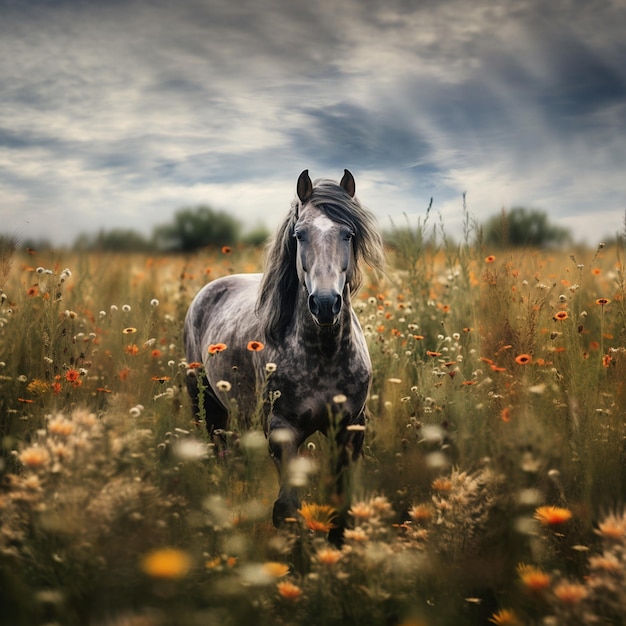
[
  {"x": 349, "y": 448},
  {"x": 284, "y": 443}
]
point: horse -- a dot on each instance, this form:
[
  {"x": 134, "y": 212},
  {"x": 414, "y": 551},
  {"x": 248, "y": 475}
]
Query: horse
[{"x": 291, "y": 334}]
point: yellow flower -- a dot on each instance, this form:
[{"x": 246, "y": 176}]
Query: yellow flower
[
  {"x": 570, "y": 593},
  {"x": 318, "y": 517},
  {"x": 275, "y": 569},
  {"x": 166, "y": 563}
]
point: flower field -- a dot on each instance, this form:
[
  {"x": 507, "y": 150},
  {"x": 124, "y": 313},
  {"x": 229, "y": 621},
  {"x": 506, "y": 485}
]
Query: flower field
[{"x": 491, "y": 489}]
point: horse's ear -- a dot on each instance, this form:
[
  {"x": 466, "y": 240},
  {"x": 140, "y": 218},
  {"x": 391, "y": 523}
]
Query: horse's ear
[
  {"x": 347, "y": 183},
  {"x": 304, "y": 187}
]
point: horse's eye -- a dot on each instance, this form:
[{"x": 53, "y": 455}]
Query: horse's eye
[
  {"x": 298, "y": 236},
  {"x": 349, "y": 236}
]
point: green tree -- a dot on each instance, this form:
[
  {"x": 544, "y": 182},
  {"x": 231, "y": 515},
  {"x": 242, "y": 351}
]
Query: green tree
[
  {"x": 523, "y": 227},
  {"x": 197, "y": 227},
  {"x": 114, "y": 240}
]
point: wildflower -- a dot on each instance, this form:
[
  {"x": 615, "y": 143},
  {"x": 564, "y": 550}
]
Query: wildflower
[
  {"x": 32, "y": 291},
  {"x": 25, "y": 400},
  {"x": 155, "y": 354},
  {"x": 432, "y": 353},
  {"x": 505, "y": 414},
  {"x": 394, "y": 381},
  {"x": 523, "y": 359},
  {"x": 602, "y": 301},
  {"x": 560, "y": 316},
  {"x": 34, "y": 457},
  {"x": 275, "y": 569},
  {"x": 442, "y": 484},
  {"x": 340, "y": 398},
  {"x": 160, "y": 379},
  {"x": 166, "y": 563},
  {"x": 358, "y": 535},
  {"x": 361, "y": 510},
  {"x": 490, "y": 259},
  {"x": 570, "y": 593},
  {"x": 504, "y": 617},
  {"x": 194, "y": 365},
  {"x": 612, "y": 528},
  {"x": 226, "y": 249},
  {"x": 552, "y": 515},
  {"x": 606, "y": 360},
  {"x": 129, "y": 330},
  {"x": 214, "y": 348},
  {"x": 420, "y": 513},
  {"x": 60, "y": 426},
  {"x": 255, "y": 346},
  {"x": 132, "y": 349},
  {"x": 37, "y": 386},
  {"x": 328, "y": 556},
  {"x": 154, "y": 303},
  {"x": 223, "y": 385},
  {"x": 318, "y": 517},
  {"x": 289, "y": 591},
  {"x": 533, "y": 579},
  {"x": 72, "y": 375}
]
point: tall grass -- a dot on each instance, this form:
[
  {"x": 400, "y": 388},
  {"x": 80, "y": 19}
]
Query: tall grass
[{"x": 491, "y": 489}]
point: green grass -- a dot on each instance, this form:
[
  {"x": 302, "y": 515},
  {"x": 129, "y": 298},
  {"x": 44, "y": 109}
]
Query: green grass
[{"x": 499, "y": 390}]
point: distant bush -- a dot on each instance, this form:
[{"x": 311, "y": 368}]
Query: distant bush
[
  {"x": 115, "y": 240},
  {"x": 523, "y": 227},
  {"x": 195, "y": 228}
]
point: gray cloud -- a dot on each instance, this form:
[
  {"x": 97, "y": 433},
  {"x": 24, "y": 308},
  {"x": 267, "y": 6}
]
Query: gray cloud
[{"x": 114, "y": 111}]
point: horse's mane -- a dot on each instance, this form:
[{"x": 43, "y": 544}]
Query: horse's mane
[{"x": 279, "y": 286}]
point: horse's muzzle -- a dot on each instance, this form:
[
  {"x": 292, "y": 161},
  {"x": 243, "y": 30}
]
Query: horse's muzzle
[{"x": 325, "y": 308}]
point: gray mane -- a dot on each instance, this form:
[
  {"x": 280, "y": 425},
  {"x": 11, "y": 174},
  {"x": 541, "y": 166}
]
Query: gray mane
[{"x": 279, "y": 286}]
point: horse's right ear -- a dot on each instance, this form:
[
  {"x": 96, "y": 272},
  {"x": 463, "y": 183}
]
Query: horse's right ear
[{"x": 304, "y": 187}]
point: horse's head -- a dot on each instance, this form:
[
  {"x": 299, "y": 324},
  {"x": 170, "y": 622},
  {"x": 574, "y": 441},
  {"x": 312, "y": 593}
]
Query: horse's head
[{"x": 325, "y": 252}]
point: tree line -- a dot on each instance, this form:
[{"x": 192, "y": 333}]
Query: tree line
[{"x": 193, "y": 228}]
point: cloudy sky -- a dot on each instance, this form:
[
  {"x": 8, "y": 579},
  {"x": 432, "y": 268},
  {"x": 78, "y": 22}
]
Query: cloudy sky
[{"x": 117, "y": 113}]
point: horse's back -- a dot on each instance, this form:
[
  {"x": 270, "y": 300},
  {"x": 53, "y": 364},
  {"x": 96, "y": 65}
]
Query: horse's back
[{"x": 221, "y": 309}]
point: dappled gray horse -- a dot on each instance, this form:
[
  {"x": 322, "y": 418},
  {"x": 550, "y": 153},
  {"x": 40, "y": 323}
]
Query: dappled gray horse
[{"x": 299, "y": 310}]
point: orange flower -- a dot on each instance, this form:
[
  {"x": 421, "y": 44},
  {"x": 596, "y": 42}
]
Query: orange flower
[
  {"x": 560, "y": 316},
  {"x": 275, "y": 569},
  {"x": 214, "y": 348},
  {"x": 255, "y": 346},
  {"x": 289, "y": 591},
  {"x": 160, "y": 379},
  {"x": 132, "y": 349},
  {"x": 552, "y": 515},
  {"x": 533, "y": 579},
  {"x": 318, "y": 517},
  {"x": 56, "y": 387},
  {"x": 166, "y": 563},
  {"x": 25, "y": 400},
  {"x": 32, "y": 291},
  {"x": 328, "y": 556},
  {"x": 606, "y": 360},
  {"x": 505, "y": 617},
  {"x": 442, "y": 484},
  {"x": 72, "y": 375},
  {"x": 226, "y": 249},
  {"x": 523, "y": 359},
  {"x": 596, "y": 271},
  {"x": 602, "y": 301},
  {"x": 490, "y": 259},
  {"x": 570, "y": 593},
  {"x": 156, "y": 353},
  {"x": 432, "y": 353},
  {"x": 505, "y": 414}
]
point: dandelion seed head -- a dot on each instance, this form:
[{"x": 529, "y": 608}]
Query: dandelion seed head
[
  {"x": 154, "y": 303},
  {"x": 223, "y": 385},
  {"x": 126, "y": 308}
]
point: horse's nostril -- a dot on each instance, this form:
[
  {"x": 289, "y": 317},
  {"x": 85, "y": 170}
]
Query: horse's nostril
[
  {"x": 337, "y": 305},
  {"x": 314, "y": 306}
]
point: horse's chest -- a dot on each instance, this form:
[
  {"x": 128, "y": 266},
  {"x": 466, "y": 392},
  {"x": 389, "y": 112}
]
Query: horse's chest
[{"x": 312, "y": 388}]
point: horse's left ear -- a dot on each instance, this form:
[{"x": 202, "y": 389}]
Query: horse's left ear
[{"x": 347, "y": 183}]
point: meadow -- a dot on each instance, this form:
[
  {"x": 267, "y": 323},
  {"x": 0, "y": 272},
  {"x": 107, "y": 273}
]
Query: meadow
[{"x": 491, "y": 489}]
